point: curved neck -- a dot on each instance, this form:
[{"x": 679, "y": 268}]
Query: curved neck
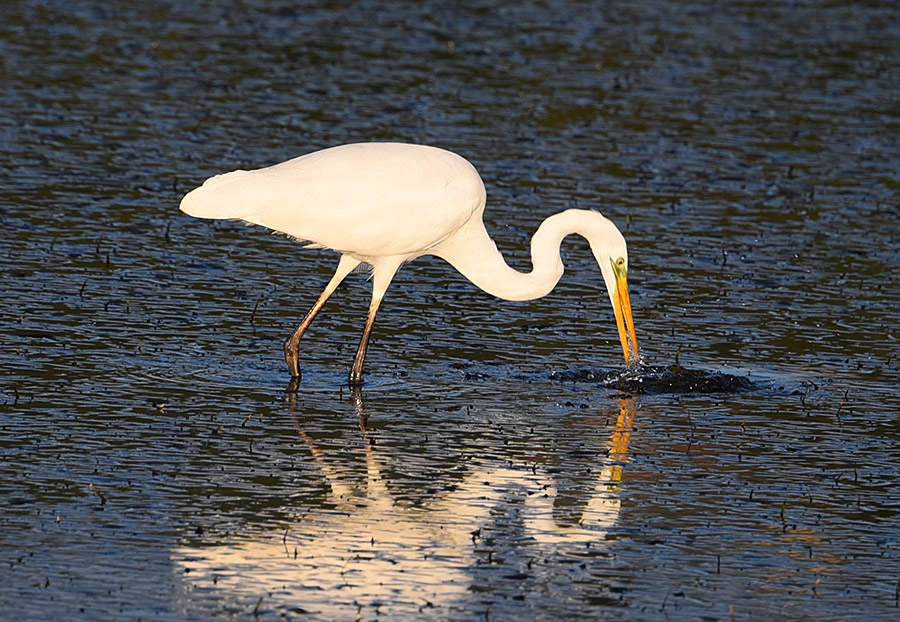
[{"x": 471, "y": 251}]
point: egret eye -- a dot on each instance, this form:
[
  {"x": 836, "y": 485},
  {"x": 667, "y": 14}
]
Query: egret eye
[{"x": 620, "y": 262}]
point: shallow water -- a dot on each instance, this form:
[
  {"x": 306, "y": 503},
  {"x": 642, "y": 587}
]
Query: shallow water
[{"x": 155, "y": 465}]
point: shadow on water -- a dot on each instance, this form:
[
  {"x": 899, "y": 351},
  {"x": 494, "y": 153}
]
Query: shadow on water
[{"x": 372, "y": 547}]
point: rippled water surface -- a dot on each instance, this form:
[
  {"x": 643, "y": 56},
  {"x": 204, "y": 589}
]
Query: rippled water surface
[{"x": 154, "y": 464}]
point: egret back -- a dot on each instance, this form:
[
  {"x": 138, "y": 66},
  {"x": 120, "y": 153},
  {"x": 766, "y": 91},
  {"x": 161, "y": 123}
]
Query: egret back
[{"x": 366, "y": 199}]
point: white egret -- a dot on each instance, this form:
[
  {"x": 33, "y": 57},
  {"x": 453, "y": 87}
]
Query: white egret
[{"x": 384, "y": 204}]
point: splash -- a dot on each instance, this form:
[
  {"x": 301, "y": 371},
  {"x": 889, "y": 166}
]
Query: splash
[{"x": 650, "y": 379}]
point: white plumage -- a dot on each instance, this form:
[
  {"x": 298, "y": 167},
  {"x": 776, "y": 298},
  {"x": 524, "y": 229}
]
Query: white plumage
[{"x": 387, "y": 203}]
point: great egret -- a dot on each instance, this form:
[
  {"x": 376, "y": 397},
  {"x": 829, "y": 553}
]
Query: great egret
[{"x": 387, "y": 203}]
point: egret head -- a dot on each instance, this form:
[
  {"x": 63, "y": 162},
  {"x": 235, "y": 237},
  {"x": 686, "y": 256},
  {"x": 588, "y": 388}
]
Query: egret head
[{"x": 611, "y": 253}]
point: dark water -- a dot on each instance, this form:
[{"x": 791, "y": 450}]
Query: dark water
[{"x": 152, "y": 466}]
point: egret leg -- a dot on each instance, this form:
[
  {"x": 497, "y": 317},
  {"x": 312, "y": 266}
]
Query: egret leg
[
  {"x": 356, "y": 376},
  {"x": 291, "y": 345},
  {"x": 384, "y": 272}
]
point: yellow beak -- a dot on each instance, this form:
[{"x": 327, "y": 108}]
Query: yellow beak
[{"x": 624, "y": 319}]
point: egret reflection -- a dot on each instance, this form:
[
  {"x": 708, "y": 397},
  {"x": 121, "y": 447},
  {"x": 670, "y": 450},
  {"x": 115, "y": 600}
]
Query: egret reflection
[{"x": 369, "y": 549}]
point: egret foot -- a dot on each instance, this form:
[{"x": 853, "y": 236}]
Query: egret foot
[
  {"x": 355, "y": 379},
  {"x": 292, "y": 354},
  {"x": 293, "y": 386}
]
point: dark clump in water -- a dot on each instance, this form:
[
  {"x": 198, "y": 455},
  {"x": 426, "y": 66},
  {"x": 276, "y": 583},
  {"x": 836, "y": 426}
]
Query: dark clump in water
[{"x": 659, "y": 379}]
